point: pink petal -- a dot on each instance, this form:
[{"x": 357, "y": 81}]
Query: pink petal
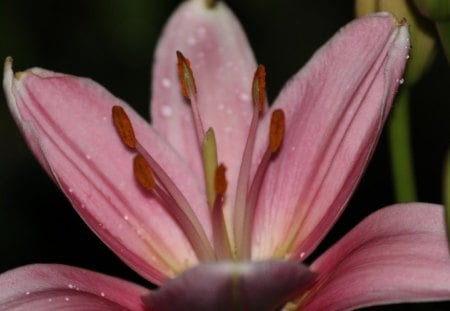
[
  {"x": 232, "y": 286},
  {"x": 398, "y": 254},
  {"x": 223, "y": 66},
  {"x": 57, "y": 287},
  {"x": 67, "y": 123},
  {"x": 335, "y": 109}
]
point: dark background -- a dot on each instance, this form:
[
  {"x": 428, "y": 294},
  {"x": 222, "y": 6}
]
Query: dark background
[{"x": 112, "y": 41}]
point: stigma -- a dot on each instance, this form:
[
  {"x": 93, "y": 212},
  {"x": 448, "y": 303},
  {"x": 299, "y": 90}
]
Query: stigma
[{"x": 229, "y": 241}]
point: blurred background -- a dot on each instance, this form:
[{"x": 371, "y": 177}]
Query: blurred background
[{"x": 112, "y": 42}]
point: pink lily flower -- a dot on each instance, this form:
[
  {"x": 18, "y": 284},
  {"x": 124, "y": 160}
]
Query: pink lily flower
[{"x": 208, "y": 205}]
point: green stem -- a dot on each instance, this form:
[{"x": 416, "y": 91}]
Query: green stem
[{"x": 400, "y": 148}]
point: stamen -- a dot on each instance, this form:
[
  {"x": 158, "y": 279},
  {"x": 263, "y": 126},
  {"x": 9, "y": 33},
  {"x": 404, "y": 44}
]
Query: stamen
[
  {"x": 259, "y": 88},
  {"x": 209, "y": 149},
  {"x": 143, "y": 173},
  {"x": 222, "y": 245},
  {"x": 258, "y": 92},
  {"x": 123, "y": 126},
  {"x": 277, "y": 127},
  {"x": 276, "y": 135},
  {"x": 178, "y": 206},
  {"x": 189, "y": 90},
  {"x": 180, "y": 209}
]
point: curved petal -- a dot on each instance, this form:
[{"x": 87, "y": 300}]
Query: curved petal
[
  {"x": 397, "y": 254},
  {"x": 223, "y": 66},
  {"x": 57, "y": 287},
  {"x": 232, "y": 286},
  {"x": 335, "y": 108},
  {"x": 67, "y": 123}
]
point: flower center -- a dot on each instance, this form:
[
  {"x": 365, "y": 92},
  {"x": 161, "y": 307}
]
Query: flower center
[{"x": 227, "y": 243}]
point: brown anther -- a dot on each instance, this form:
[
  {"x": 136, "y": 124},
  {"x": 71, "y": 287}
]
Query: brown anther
[
  {"x": 123, "y": 126},
  {"x": 221, "y": 183},
  {"x": 143, "y": 173},
  {"x": 187, "y": 80},
  {"x": 277, "y": 126},
  {"x": 259, "y": 88}
]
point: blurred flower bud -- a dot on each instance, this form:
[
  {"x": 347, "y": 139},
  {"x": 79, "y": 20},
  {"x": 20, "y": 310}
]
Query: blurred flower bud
[
  {"x": 422, "y": 38},
  {"x": 437, "y": 10}
]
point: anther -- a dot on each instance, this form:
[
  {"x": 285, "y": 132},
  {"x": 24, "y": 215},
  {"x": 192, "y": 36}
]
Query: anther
[
  {"x": 259, "y": 88},
  {"x": 143, "y": 173},
  {"x": 123, "y": 126},
  {"x": 277, "y": 127},
  {"x": 187, "y": 80},
  {"x": 220, "y": 183}
]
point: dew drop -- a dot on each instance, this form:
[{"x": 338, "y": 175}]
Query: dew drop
[
  {"x": 302, "y": 254},
  {"x": 401, "y": 81},
  {"x": 71, "y": 286},
  {"x": 244, "y": 97},
  {"x": 66, "y": 298},
  {"x": 166, "y": 83},
  {"x": 407, "y": 56},
  {"x": 88, "y": 157},
  {"x": 50, "y": 300},
  {"x": 125, "y": 217},
  {"x": 201, "y": 31},
  {"x": 166, "y": 111},
  {"x": 102, "y": 294},
  {"x": 27, "y": 293},
  {"x": 191, "y": 40},
  {"x": 70, "y": 190}
]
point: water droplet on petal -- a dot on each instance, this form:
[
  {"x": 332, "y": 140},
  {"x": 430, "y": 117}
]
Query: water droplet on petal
[
  {"x": 88, "y": 156},
  {"x": 166, "y": 111},
  {"x": 302, "y": 254},
  {"x": 244, "y": 97},
  {"x": 407, "y": 56},
  {"x": 191, "y": 40},
  {"x": 401, "y": 81},
  {"x": 66, "y": 298},
  {"x": 166, "y": 83},
  {"x": 102, "y": 294},
  {"x": 201, "y": 31},
  {"x": 27, "y": 293}
]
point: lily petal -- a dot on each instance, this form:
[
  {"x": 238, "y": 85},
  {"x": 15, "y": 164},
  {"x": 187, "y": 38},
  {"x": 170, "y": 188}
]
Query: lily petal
[
  {"x": 397, "y": 254},
  {"x": 233, "y": 286},
  {"x": 335, "y": 108},
  {"x": 67, "y": 123},
  {"x": 223, "y": 65},
  {"x": 58, "y": 287}
]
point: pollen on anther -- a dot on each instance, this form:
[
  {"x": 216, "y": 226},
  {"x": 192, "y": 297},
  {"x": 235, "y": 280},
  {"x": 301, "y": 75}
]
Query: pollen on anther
[
  {"x": 277, "y": 127},
  {"x": 259, "y": 88},
  {"x": 123, "y": 126},
  {"x": 187, "y": 80},
  {"x": 143, "y": 173},
  {"x": 221, "y": 183}
]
